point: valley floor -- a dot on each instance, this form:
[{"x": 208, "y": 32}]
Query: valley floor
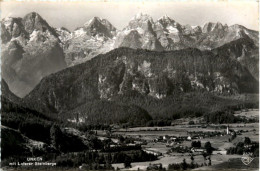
[
  {"x": 159, "y": 141},
  {"x": 218, "y": 142}
]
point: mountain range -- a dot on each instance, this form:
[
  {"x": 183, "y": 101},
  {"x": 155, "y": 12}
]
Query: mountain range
[
  {"x": 99, "y": 36},
  {"x": 32, "y": 49},
  {"x": 147, "y": 66}
]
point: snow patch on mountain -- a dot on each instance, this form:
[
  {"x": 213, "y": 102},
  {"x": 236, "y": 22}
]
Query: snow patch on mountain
[
  {"x": 33, "y": 36},
  {"x": 7, "y": 22},
  {"x": 172, "y": 29},
  {"x": 79, "y": 32}
]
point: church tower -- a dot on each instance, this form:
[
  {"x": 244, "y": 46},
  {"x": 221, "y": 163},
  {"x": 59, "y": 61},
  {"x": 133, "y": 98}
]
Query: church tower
[{"x": 228, "y": 130}]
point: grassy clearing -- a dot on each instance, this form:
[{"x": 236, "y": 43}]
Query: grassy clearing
[
  {"x": 236, "y": 163},
  {"x": 250, "y": 114},
  {"x": 166, "y": 160}
]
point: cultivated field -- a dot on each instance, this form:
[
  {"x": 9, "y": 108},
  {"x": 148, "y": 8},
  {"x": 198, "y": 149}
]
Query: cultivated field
[{"x": 220, "y": 142}]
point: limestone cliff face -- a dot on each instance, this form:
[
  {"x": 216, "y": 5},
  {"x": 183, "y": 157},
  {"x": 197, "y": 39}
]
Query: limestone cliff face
[
  {"x": 154, "y": 74},
  {"x": 245, "y": 52}
]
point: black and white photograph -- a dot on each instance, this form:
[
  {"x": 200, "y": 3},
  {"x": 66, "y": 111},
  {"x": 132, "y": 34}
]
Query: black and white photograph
[{"x": 149, "y": 85}]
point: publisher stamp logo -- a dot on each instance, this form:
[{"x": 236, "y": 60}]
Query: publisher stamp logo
[{"x": 247, "y": 159}]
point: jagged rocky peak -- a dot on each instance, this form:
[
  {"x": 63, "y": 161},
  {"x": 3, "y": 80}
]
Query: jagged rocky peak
[
  {"x": 12, "y": 28},
  {"x": 197, "y": 29},
  {"x": 92, "y": 21},
  {"x": 33, "y": 21},
  {"x": 9, "y": 23},
  {"x": 108, "y": 25},
  {"x": 165, "y": 17},
  {"x": 141, "y": 21},
  {"x": 31, "y": 51},
  {"x": 94, "y": 37},
  {"x": 209, "y": 27},
  {"x": 167, "y": 21},
  {"x": 100, "y": 27},
  {"x": 23, "y": 28},
  {"x": 142, "y": 16}
]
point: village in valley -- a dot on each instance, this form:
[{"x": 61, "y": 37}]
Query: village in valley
[
  {"x": 191, "y": 142},
  {"x": 186, "y": 144}
]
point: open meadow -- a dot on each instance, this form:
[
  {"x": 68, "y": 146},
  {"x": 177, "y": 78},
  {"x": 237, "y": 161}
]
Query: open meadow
[{"x": 221, "y": 142}]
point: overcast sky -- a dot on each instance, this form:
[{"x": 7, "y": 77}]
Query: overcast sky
[{"x": 74, "y": 14}]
